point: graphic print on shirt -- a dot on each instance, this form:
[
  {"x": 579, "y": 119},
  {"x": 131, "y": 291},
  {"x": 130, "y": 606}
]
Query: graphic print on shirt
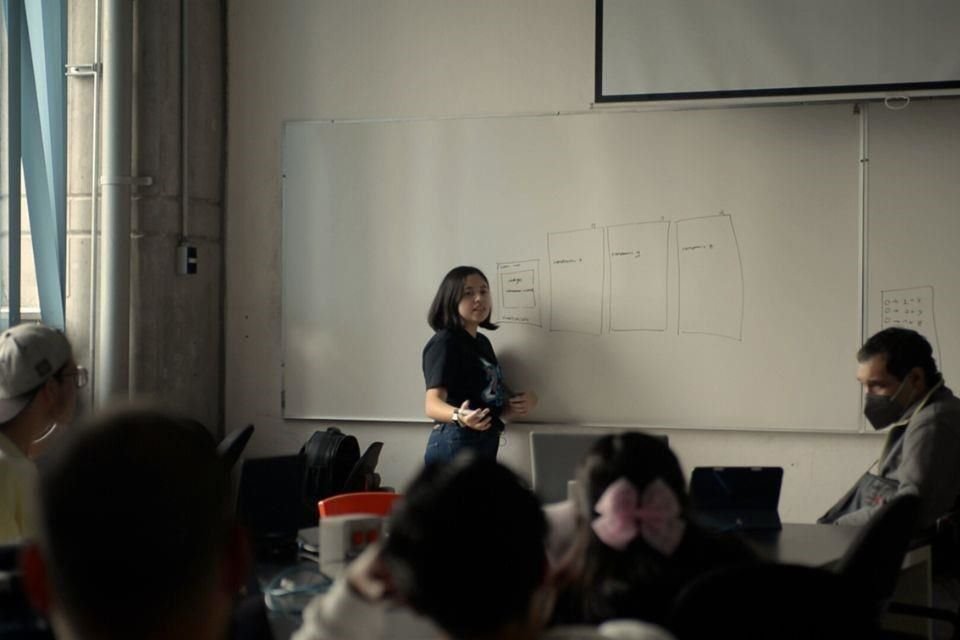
[{"x": 493, "y": 394}]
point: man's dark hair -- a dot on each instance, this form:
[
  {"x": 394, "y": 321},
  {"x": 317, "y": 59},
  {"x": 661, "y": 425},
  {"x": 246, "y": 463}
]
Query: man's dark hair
[
  {"x": 444, "y": 312},
  {"x": 134, "y": 513},
  {"x": 904, "y": 350},
  {"x": 466, "y": 546}
]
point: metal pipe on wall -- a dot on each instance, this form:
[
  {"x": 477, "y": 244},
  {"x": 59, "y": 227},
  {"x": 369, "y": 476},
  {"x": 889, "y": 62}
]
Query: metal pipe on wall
[
  {"x": 116, "y": 185},
  {"x": 184, "y": 120},
  {"x": 95, "y": 192}
]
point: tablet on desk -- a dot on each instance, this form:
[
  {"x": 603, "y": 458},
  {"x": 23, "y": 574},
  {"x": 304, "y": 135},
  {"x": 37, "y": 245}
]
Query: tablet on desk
[{"x": 737, "y": 498}]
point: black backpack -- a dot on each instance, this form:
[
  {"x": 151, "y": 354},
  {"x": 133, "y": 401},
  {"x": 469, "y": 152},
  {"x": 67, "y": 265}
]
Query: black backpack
[{"x": 329, "y": 456}]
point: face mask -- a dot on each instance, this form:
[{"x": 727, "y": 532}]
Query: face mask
[{"x": 881, "y": 411}]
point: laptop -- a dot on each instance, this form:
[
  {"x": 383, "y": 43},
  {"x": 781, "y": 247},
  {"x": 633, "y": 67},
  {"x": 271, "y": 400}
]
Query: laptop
[
  {"x": 554, "y": 459},
  {"x": 736, "y": 498}
]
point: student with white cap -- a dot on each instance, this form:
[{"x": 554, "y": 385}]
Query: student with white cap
[{"x": 38, "y": 391}]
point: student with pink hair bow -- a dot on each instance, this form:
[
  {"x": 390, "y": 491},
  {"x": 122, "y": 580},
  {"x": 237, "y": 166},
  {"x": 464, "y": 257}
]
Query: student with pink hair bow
[{"x": 637, "y": 548}]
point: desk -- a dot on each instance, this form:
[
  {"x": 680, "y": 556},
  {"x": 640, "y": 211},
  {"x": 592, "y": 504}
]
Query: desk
[
  {"x": 815, "y": 545},
  {"x": 822, "y": 545}
]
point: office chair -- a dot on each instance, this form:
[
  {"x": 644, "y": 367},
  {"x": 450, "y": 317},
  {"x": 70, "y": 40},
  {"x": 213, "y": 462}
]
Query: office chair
[
  {"x": 873, "y": 561},
  {"x": 944, "y": 540},
  {"x": 272, "y": 506},
  {"x": 233, "y": 445},
  {"x": 786, "y": 602},
  {"x": 17, "y": 617},
  {"x": 363, "y": 476},
  {"x": 376, "y": 502}
]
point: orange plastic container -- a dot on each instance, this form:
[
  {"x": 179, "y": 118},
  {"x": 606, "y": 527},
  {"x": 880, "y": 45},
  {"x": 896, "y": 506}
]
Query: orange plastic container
[{"x": 376, "y": 502}]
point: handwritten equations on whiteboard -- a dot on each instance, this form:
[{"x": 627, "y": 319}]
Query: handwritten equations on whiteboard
[
  {"x": 576, "y": 280},
  {"x": 638, "y": 276},
  {"x": 912, "y": 309},
  {"x": 519, "y": 292},
  {"x": 710, "y": 277}
]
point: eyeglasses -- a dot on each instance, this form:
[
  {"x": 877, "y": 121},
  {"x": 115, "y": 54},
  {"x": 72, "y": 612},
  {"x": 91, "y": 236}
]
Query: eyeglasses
[{"x": 80, "y": 373}]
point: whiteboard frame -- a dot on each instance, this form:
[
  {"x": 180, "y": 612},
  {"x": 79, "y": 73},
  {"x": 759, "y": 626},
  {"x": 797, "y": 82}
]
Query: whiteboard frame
[{"x": 584, "y": 423}]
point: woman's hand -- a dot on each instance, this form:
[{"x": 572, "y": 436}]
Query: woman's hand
[
  {"x": 476, "y": 419},
  {"x": 440, "y": 411},
  {"x": 521, "y": 404}
]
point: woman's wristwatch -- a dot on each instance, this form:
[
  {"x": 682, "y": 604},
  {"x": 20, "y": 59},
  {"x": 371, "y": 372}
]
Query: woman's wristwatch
[{"x": 455, "y": 419}]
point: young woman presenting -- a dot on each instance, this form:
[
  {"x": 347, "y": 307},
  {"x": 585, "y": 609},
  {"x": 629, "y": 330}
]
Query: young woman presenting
[{"x": 466, "y": 396}]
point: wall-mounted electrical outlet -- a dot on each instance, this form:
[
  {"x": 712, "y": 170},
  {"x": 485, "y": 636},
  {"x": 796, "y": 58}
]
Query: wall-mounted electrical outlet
[{"x": 186, "y": 260}]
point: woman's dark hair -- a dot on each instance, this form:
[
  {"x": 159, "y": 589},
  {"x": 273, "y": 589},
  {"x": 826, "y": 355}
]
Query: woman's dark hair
[
  {"x": 614, "y": 583},
  {"x": 444, "y": 310},
  {"x": 904, "y": 350},
  {"x": 467, "y": 546},
  {"x": 639, "y": 581}
]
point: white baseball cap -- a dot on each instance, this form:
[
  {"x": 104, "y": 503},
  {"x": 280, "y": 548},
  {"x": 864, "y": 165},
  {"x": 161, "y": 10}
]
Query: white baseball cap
[{"x": 29, "y": 356}]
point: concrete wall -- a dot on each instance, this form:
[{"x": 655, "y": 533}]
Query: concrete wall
[
  {"x": 176, "y": 321},
  {"x": 291, "y": 59}
]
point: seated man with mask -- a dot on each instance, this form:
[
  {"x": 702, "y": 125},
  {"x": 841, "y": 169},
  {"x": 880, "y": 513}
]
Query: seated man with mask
[{"x": 904, "y": 391}]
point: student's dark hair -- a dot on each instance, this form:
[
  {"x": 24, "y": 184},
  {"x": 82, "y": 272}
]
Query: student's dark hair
[
  {"x": 613, "y": 583},
  {"x": 904, "y": 350},
  {"x": 466, "y": 546},
  {"x": 638, "y": 581},
  {"x": 444, "y": 313},
  {"x": 134, "y": 513},
  {"x": 638, "y": 457}
]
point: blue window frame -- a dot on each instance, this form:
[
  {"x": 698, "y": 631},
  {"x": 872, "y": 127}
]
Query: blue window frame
[{"x": 33, "y": 157}]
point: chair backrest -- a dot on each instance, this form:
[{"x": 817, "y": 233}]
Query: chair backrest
[
  {"x": 363, "y": 476},
  {"x": 233, "y": 445},
  {"x": 945, "y": 545},
  {"x": 272, "y": 505},
  {"x": 875, "y": 556},
  {"x": 375, "y": 502},
  {"x": 770, "y": 601}
]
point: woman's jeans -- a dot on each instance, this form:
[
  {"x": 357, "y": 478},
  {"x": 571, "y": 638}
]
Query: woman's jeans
[{"x": 447, "y": 440}]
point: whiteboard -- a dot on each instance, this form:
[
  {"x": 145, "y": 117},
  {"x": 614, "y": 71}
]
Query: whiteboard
[
  {"x": 690, "y": 269},
  {"x": 914, "y": 225}
]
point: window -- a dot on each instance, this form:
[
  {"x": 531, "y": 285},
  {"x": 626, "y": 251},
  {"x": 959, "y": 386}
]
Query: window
[{"x": 32, "y": 161}]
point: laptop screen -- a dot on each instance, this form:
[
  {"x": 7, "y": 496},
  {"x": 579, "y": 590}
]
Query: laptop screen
[
  {"x": 555, "y": 457},
  {"x": 718, "y": 488}
]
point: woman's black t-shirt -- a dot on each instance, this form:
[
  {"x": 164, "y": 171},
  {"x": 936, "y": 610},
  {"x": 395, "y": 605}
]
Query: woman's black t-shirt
[{"x": 468, "y": 369}]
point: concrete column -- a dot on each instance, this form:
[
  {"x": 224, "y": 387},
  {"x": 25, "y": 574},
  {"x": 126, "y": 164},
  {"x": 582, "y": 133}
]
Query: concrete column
[
  {"x": 174, "y": 322},
  {"x": 176, "y": 337}
]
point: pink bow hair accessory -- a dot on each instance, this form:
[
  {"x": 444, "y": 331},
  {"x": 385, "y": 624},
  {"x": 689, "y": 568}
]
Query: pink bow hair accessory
[{"x": 654, "y": 515}]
